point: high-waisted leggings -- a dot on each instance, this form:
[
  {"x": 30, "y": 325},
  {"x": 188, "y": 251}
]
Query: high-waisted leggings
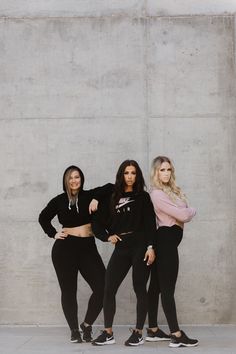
[
  {"x": 164, "y": 274},
  {"x": 73, "y": 255},
  {"x": 125, "y": 256}
]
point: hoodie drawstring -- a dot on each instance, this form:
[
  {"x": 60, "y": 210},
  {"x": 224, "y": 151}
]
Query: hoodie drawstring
[{"x": 76, "y": 204}]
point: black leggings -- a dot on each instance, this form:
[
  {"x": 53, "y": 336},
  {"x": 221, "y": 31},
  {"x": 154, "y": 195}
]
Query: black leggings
[
  {"x": 164, "y": 274},
  {"x": 70, "y": 256},
  {"x": 125, "y": 256}
]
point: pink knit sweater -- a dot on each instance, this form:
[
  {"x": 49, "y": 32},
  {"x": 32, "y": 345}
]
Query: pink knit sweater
[{"x": 167, "y": 211}]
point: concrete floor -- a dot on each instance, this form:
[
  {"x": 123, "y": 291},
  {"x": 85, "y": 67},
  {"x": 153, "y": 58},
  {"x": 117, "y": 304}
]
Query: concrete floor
[{"x": 55, "y": 340}]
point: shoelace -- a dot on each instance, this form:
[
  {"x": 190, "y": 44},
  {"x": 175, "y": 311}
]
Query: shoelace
[
  {"x": 134, "y": 332},
  {"x": 88, "y": 330}
]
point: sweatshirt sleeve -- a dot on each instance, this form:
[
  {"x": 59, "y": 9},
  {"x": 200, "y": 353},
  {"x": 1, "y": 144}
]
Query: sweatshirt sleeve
[
  {"x": 102, "y": 192},
  {"x": 100, "y": 219},
  {"x": 149, "y": 220},
  {"x": 162, "y": 202},
  {"x": 46, "y": 216},
  {"x": 99, "y": 229}
]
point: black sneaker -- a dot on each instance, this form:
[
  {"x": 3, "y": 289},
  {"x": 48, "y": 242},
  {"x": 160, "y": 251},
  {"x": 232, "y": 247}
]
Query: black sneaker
[
  {"x": 156, "y": 336},
  {"x": 135, "y": 339},
  {"x": 86, "y": 332},
  {"x": 75, "y": 336},
  {"x": 104, "y": 338},
  {"x": 182, "y": 341}
]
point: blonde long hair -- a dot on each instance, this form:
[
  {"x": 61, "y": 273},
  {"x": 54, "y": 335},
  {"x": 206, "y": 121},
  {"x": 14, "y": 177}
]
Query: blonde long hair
[{"x": 171, "y": 189}]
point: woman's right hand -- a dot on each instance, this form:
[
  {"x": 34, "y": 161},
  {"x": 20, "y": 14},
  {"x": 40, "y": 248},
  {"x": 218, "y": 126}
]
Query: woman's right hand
[
  {"x": 114, "y": 238},
  {"x": 179, "y": 223},
  {"x": 93, "y": 206},
  {"x": 60, "y": 235}
]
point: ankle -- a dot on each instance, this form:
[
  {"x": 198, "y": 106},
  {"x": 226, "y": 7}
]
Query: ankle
[
  {"x": 86, "y": 324},
  {"x": 177, "y": 334},
  {"x": 153, "y": 329},
  {"x": 108, "y": 330}
]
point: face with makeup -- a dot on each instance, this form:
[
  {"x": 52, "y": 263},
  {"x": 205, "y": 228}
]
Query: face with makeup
[
  {"x": 129, "y": 178},
  {"x": 74, "y": 181},
  {"x": 164, "y": 172}
]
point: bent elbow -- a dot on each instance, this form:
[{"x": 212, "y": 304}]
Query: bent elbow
[
  {"x": 188, "y": 215},
  {"x": 41, "y": 218}
]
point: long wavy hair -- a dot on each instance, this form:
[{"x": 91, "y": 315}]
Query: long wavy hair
[
  {"x": 119, "y": 187},
  {"x": 170, "y": 188}
]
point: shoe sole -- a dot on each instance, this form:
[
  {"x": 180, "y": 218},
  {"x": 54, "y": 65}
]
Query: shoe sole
[
  {"x": 177, "y": 345},
  {"x": 75, "y": 341},
  {"x": 151, "y": 339},
  {"x": 104, "y": 343},
  {"x": 135, "y": 344}
]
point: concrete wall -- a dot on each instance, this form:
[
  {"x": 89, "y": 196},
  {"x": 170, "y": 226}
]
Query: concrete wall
[{"x": 95, "y": 82}]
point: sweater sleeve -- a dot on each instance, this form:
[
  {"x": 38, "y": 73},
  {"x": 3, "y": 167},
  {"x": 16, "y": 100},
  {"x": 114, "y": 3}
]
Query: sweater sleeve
[
  {"x": 99, "y": 229},
  {"x": 162, "y": 202},
  {"x": 46, "y": 216},
  {"x": 100, "y": 219},
  {"x": 102, "y": 192},
  {"x": 149, "y": 220}
]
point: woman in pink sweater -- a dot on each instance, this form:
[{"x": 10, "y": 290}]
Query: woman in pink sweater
[{"x": 172, "y": 212}]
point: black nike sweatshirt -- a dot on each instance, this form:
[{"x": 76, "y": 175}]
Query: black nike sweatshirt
[{"x": 134, "y": 213}]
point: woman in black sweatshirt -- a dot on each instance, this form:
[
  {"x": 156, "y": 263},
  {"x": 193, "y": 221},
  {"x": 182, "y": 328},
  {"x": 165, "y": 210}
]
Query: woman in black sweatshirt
[
  {"x": 127, "y": 220},
  {"x": 75, "y": 249}
]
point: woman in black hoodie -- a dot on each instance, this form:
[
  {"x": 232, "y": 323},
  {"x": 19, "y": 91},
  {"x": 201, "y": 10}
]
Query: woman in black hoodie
[
  {"x": 75, "y": 249},
  {"x": 127, "y": 220}
]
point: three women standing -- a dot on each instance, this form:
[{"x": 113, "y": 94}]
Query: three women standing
[{"x": 126, "y": 219}]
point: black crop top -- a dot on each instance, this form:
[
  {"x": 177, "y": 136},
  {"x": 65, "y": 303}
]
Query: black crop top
[{"x": 59, "y": 206}]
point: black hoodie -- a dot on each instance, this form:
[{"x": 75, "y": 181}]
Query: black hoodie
[{"x": 70, "y": 215}]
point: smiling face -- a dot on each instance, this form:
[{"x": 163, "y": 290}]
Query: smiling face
[
  {"x": 164, "y": 172},
  {"x": 129, "y": 178},
  {"x": 74, "y": 182}
]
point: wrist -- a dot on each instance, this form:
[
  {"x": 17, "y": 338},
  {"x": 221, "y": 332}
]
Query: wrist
[{"x": 150, "y": 247}]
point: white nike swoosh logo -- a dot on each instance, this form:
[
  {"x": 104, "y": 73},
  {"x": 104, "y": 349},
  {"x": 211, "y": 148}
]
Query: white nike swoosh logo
[{"x": 122, "y": 204}]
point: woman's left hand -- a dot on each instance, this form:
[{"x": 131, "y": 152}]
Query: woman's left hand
[
  {"x": 149, "y": 256},
  {"x": 114, "y": 239},
  {"x": 93, "y": 206}
]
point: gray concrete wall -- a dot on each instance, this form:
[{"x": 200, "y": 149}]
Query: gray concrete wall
[{"x": 93, "y": 83}]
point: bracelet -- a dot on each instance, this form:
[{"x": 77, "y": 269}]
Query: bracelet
[{"x": 150, "y": 247}]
